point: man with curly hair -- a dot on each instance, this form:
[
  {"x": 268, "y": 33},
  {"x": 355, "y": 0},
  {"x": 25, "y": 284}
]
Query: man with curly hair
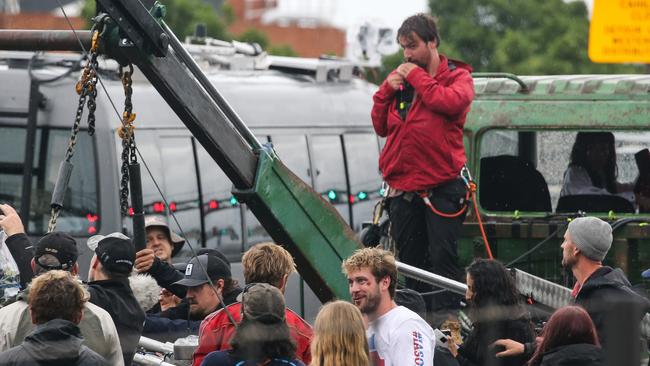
[{"x": 56, "y": 304}]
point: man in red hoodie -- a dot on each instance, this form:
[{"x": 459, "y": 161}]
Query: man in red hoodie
[
  {"x": 421, "y": 108},
  {"x": 262, "y": 263}
]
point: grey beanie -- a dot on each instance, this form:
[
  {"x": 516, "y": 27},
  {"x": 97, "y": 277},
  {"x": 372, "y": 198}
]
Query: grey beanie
[{"x": 592, "y": 236}]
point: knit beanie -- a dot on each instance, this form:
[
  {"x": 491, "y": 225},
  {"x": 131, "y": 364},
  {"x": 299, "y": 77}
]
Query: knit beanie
[{"x": 592, "y": 236}]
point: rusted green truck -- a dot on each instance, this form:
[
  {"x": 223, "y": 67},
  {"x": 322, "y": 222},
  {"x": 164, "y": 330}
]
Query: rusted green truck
[{"x": 519, "y": 139}]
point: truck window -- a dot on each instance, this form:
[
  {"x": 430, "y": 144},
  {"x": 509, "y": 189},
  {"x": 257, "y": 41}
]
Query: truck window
[
  {"x": 511, "y": 182},
  {"x": 365, "y": 181},
  {"x": 79, "y": 216}
]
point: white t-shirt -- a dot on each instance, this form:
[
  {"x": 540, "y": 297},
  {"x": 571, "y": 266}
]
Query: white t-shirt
[{"x": 400, "y": 338}]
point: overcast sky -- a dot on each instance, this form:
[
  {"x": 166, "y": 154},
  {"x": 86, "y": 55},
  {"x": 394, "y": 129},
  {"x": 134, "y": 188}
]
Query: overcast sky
[{"x": 388, "y": 12}]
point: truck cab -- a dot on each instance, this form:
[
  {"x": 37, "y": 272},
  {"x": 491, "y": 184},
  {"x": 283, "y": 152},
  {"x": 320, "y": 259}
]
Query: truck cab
[{"x": 519, "y": 138}]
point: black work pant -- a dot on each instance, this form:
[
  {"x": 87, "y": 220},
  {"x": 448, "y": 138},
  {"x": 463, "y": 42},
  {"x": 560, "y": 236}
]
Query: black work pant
[{"x": 428, "y": 241}]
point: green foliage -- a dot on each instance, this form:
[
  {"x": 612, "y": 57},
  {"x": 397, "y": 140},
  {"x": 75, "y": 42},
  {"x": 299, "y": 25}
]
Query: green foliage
[
  {"x": 282, "y": 50},
  {"x": 522, "y": 37},
  {"x": 182, "y": 17},
  {"x": 88, "y": 11},
  {"x": 228, "y": 13},
  {"x": 253, "y": 35}
]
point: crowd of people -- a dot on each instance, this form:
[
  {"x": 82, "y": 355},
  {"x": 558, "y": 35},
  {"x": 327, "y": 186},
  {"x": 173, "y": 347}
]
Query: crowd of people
[{"x": 57, "y": 320}]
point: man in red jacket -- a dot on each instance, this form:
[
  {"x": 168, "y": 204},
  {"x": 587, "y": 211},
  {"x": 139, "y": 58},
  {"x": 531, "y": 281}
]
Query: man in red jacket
[
  {"x": 263, "y": 263},
  {"x": 420, "y": 108}
]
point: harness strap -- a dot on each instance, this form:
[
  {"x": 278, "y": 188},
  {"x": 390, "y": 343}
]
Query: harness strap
[{"x": 470, "y": 193}]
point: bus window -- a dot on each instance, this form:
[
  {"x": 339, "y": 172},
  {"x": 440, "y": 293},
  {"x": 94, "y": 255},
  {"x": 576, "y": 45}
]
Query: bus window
[
  {"x": 292, "y": 150},
  {"x": 329, "y": 169},
  {"x": 79, "y": 216},
  {"x": 365, "y": 181},
  {"x": 181, "y": 186},
  {"x": 12, "y": 156},
  {"x": 146, "y": 141},
  {"x": 222, "y": 215}
]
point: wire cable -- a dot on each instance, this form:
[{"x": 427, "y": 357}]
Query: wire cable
[
  {"x": 203, "y": 269},
  {"x": 533, "y": 249}
]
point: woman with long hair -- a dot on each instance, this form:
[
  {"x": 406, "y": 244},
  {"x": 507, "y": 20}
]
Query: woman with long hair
[
  {"x": 569, "y": 339},
  {"x": 339, "y": 336},
  {"x": 592, "y": 167},
  {"x": 263, "y": 337},
  {"x": 496, "y": 311}
]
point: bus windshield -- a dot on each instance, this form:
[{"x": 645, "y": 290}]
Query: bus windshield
[{"x": 79, "y": 216}]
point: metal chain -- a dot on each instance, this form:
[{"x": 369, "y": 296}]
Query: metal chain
[
  {"x": 86, "y": 88},
  {"x": 127, "y": 134}
]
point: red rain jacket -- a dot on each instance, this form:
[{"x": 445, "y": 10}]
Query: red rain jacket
[
  {"x": 427, "y": 149},
  {"x": 216, "y": 331}
]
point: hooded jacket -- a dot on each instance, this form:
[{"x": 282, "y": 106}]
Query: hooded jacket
[
  {"x": 604, "y": 293},
  {"x": 116, "y": 297},
  {"x": 574, "y": 355},
  {"x": 216, "y": 332},
  {"x": 426, "y": 149},
  {"x": 55, "y": 343}
]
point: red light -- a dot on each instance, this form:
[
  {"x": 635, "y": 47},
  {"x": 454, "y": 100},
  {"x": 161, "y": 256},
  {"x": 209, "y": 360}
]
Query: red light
[
  {"x": 92, "y": 230},
  {"x": 92, "y": 218},
  {"x": 172, "y": 206},
  {"x": 131, "y": 212},
  {"x": 351, "y": 198},
  {"x": 158, "y": 207},
  {"x": 213, "y": 204}
]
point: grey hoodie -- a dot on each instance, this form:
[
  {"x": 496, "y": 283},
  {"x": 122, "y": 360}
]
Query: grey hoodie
[{"x": 55, "y": 343}]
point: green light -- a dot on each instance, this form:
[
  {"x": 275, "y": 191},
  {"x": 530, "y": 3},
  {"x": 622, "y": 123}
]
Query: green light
[
  {"x": 362, "y": 195},
  {"x": 233, "y": 200},
  {"x": 331, "y": 195},
  {"x": 381, "y": 192}
]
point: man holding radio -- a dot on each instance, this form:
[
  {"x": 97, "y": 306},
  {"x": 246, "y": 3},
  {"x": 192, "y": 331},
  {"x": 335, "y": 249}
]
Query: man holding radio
[{"x": 421, "y": 108}]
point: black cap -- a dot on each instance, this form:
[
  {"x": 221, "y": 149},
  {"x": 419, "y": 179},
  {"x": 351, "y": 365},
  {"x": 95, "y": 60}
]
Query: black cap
[
  {"x": 194, "y": 275},
  {"x": 60, "y": 249},
  {"x": 115, "y": 252},
  {"x": 208, "y": 251}
]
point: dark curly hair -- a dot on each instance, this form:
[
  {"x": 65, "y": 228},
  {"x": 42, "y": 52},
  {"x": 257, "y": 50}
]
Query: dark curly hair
[
  {"x": 493, "y": 284},
  {"x": 424, "y": 25}
]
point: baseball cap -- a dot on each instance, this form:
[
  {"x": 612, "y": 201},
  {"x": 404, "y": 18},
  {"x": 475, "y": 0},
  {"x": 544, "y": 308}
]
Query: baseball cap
[
  {"x": 195, "y": 276},
  {"x": 157, "y": 221},
  {"x": 56, "y": 250},
  {"x": 114, "y": 251},
  {"x": 263, "y": 302}
]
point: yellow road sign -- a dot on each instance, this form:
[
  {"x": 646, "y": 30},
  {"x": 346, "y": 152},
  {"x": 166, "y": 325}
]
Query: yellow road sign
[{"x": 620, "y": 31}]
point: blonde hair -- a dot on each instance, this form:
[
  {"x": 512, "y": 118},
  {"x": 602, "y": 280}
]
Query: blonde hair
[
  {"x": 267, "y": 263},
  {"x": 339, "y": 336},
  {"x": 380, "y": 262},
  {"x": 56, "y": 294}
]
